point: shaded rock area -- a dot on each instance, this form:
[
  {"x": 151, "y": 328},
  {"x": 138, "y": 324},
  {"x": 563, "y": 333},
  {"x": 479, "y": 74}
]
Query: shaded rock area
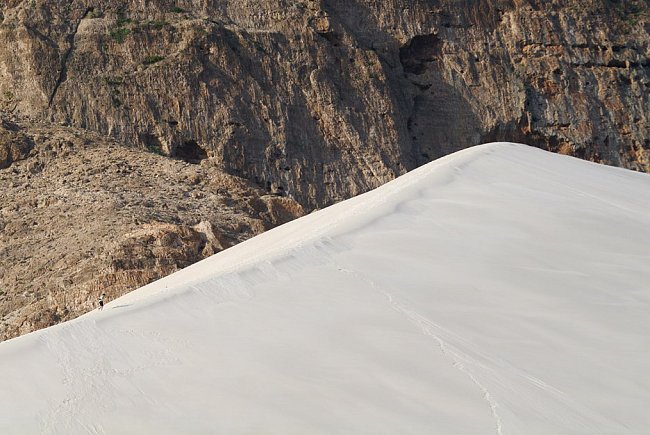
[
  {"x": 84, "y": 215},
  {"x": 169, "y": 130},
  {"x": 327, "y": 99},
  {"x": 14, "y": 144}
]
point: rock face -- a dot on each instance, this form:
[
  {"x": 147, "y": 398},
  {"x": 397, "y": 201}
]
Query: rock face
[
  {"x": 325, "y": 99},
  {"x": 289, "y": 104}
]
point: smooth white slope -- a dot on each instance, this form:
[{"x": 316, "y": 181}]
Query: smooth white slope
[{"x": 502, "y": 289}]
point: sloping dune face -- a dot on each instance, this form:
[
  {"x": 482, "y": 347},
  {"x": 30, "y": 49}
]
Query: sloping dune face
[{"x": 502, "y": 289}]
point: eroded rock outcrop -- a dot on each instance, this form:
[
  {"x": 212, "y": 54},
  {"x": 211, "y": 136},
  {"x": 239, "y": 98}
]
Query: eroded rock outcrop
[
  {"x": 326, "y": 99},
  {"x": 84, "y": 215}
]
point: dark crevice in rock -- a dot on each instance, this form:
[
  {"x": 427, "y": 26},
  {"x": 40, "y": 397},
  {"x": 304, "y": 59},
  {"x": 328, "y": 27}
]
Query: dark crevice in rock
[
  {"x": 190, "y": 152},
  {"x": 152, "y": 143},
  {"x": 332, "y": 38},
  {"x": 615, "y": 63},
  {"x": 64, "y": 62},
  {"x": 418, "y": 52},
  {"x": 9, "y": 125}
]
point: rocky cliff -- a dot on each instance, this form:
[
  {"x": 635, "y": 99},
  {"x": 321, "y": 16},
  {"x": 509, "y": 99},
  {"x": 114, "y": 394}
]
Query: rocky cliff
[{"x": 307, "y": 102}]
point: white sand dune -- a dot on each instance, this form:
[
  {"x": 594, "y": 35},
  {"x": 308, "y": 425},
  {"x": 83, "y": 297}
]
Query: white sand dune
[{"x": 502, "y": 289}]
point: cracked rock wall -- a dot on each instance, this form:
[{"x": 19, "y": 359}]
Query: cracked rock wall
[{"x": 322, "y": 100}]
